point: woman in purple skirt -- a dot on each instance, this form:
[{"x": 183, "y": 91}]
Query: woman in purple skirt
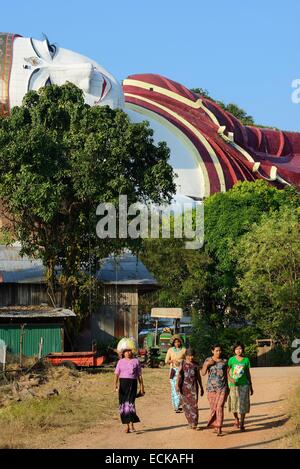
[{"x": 128, "y": 373}]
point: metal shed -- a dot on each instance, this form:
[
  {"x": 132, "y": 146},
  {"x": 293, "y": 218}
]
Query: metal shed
[
  {"x": 123, "y": 278},
  {"x": 22, "y": 328}
]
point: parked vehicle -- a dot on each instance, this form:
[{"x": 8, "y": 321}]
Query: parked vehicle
[
  {"x": 76, "y": 359},
  {"x": 155, "y": 343}
]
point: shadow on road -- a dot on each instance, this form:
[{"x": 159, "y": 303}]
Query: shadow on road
[
  {"x": 252, "y": 404},
  {"x": 266, "y": 402},
  {"x": 277, "y": 421},
  {"x": 263, "y": 426},
  {"x": 254, "y": 445},
  {"x": 159, "y": 429}
]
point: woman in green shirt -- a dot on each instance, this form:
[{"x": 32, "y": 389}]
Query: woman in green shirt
[{"x": 240, "y": 385}]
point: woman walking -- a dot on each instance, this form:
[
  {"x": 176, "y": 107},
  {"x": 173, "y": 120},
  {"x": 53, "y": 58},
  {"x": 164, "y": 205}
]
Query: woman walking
[
  {"x": 128, "y": 373},
  {"x": 175, "y": 355},
  {"x": 240, "y": 385},
  {"x": 188, "y": 382},
  {"x": 217, "y": 389}
]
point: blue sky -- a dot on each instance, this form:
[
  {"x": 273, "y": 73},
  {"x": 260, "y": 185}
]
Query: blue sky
[{"x": 243, "y": 52}]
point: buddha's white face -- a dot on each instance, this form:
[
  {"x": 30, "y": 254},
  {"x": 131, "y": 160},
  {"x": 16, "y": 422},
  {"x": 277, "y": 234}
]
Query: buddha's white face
[{"x": 38, "y": 63}]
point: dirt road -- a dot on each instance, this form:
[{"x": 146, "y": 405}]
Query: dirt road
[{"x": 160, "y": 427}]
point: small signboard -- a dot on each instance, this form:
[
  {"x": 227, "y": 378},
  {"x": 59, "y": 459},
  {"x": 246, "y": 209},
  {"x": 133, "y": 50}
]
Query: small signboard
[{"x": 175, "y": 313}]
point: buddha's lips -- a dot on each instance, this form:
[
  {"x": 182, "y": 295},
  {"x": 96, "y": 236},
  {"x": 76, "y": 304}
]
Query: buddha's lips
[{"x": 103, "y": 88}]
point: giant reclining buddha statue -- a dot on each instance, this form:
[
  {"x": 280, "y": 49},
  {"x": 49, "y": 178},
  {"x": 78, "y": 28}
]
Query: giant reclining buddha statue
[{"x": 210, "y": 149}]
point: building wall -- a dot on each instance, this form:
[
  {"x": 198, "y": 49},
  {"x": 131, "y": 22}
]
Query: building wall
[
  {"x": 24, "y": 294},
  {"x": 116, "y": 317}
]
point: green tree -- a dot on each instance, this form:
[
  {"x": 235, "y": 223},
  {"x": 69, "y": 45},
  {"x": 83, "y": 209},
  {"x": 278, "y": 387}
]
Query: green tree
[
  {"x": 234, "y": 109},
  {"x": 268, "y": 267},
  {"x": 205, "y": 282},
  {"x": 228, "y": 216},
  {"x": 183, "y": 275},
  {"x": 203, "y": 92},
  {"x": 59, "y": 159}
]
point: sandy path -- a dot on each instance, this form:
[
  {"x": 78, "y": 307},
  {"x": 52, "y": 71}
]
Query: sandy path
[{"x": 160, "y": 427}]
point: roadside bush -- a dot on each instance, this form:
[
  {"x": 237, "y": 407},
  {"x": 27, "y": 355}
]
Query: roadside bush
[
  {"x": 281, "y": 356},
  {"x": 204, "y": 336}
]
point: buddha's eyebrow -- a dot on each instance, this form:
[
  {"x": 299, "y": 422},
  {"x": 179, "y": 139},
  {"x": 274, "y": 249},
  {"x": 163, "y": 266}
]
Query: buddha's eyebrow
[{"x": 33, "y": 47}]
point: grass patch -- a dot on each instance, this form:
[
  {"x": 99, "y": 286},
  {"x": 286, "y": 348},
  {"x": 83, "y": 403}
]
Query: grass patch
[
  {"x": 84, "y": 400},
  {"x": 292, "y": 439}
]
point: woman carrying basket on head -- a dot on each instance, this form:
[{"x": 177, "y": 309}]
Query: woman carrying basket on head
[{"x": 128, "y": 373}]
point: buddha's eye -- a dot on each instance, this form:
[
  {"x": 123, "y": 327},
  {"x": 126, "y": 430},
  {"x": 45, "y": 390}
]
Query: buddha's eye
[{"x": 51, "y": 47}]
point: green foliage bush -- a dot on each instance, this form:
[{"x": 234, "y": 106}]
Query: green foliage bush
[{"x": 244, "y": 284}]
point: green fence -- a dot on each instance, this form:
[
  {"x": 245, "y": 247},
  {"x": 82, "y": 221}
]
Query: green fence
[{"x": 30, "y": 337}]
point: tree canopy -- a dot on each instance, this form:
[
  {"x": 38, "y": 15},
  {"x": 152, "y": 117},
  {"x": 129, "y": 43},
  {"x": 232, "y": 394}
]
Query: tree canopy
[
  {"x": 249, "y": 230},
  {"x": 233, "y": 108},
  {"x": 268, "y": 280},
  {"x": 59, "y": 159}
]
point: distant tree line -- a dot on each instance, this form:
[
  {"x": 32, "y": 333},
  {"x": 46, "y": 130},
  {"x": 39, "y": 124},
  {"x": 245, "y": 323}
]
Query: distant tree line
[
  {"x": 232, "y": 108},
  {"x": 245, "y": 281}
]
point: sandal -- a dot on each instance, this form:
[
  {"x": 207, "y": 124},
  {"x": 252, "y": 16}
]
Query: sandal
[
  {"x": 236, "y": 423},
  {"x": 242, "y": 429}
]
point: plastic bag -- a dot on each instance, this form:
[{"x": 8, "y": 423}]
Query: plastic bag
[{"x": 127, "y": 343}]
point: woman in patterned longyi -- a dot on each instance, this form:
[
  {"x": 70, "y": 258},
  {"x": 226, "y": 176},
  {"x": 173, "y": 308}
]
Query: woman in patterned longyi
[
  {"x": 188, "y": 382},
  {"x": 217, "y": 388}
]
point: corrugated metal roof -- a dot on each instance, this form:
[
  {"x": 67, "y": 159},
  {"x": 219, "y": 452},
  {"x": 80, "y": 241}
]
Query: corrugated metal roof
[
  {"x": 122, "y": 270},
  {"x": 17, "y": 269},
  {"x": 33, "y": 275},
  {"x": 125, "y": 270},
  {"x": 35, "y": 312}
]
